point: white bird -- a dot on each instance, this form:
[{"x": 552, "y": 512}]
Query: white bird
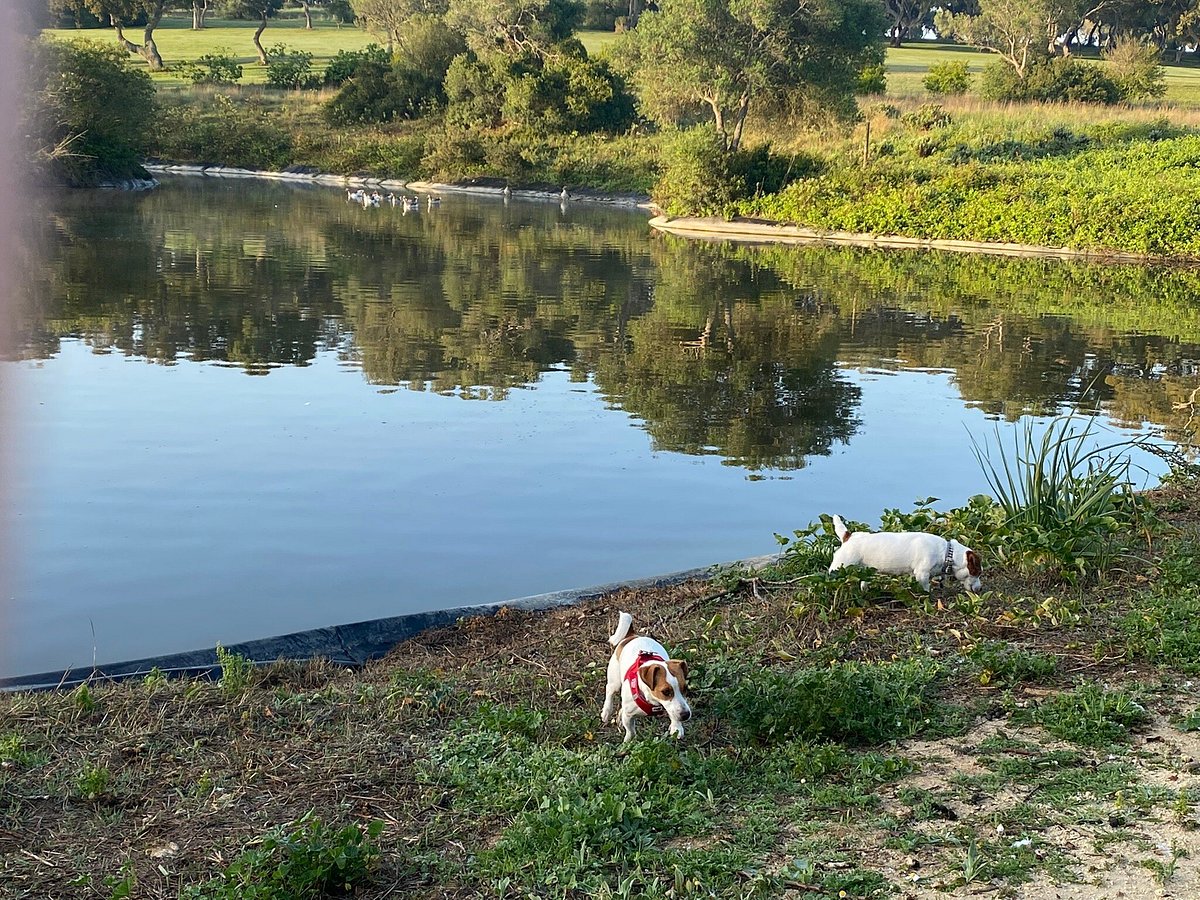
[
  {"x": 564, "y": 197},
  {"x": 434, "y": 201},
  {"x": 507, "y": 192}
]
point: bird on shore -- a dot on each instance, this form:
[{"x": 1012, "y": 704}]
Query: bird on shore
[
  {"x": 564, "y": 196},
  {"x": 507, "y": 192}
]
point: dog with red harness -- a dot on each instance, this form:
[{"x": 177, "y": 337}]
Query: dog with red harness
[{"x": 648, "y": 681}]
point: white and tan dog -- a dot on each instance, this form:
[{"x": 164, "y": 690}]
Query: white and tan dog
[
  {"x": 922, "y": 555},
  {"x": 649, "y": 682}
]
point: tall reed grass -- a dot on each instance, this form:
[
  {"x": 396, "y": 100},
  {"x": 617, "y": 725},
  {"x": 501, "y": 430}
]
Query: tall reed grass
[{"x": 1065, "y": 498}]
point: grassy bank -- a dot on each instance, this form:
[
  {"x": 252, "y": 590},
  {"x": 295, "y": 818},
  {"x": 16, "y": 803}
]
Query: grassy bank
[{"x": 1040, "y": 737}]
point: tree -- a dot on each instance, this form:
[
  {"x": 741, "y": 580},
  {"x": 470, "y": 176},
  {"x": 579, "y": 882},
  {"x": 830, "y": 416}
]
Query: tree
[
  {"x": 255, "y": 9},
  {"x": 514, "y": 27},
  {"x": 721, "y": 55},
  {"x": 904, "y": 15},
  {"x": 387, "y": 18},
  {"x": 122, "y": 14},
  {"x": 199, "y": 13},
  {"x": 1014, "y": 29}
]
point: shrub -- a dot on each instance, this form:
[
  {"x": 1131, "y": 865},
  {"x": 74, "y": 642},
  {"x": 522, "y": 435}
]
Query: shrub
[
  {"x": 927, "y": 117},
  {"x": 347, "y": 63},
  {"x": 1059, "y": 79},
  {"x": 289, "y": 68},
  {"x": 223, "y": 131},
  {"x": 947, "y": 78},
  {"x": 696, "y": 179},
  {"x": 1136, "y": 69},
  {"x": 760, "y": 171},
  {"x": 871, "y": 80},
  {"x": 89, "y": 112},
  {"x": 218, "y": 67},
  {"x": 454, "y": 154},
  {"x": 474, "y": 96}
]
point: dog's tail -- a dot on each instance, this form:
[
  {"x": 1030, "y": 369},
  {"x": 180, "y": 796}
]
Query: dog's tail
[
  {"x": 840, "y": 529},
  {"x": 624, "y": 624}
]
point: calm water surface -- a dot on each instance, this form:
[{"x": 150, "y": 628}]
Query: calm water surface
[{"x": 248, "y": 409}]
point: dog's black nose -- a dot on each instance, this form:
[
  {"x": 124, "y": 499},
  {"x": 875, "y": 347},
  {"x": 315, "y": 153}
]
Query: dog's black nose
[{"x": 687, "y": 714}]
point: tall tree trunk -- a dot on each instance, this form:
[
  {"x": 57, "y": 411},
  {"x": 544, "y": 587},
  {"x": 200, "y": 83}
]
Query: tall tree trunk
[
  {"x": 307, "y": 15},
  {"x": 199, "y": 10},
  {"x": 262, "y": 54},
  {"x": 635, "y": 11},
  {"x": 743, "y": 108},
  {"x": 149, "y": 49},
  {"x": 719, "y": 121}
]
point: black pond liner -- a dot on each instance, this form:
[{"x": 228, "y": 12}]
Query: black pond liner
[{"x": 350, "y": 645}]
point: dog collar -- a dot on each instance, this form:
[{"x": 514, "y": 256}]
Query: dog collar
[
  {"x": 948, "y": 568},
  {"x": 635, "y": 688}
]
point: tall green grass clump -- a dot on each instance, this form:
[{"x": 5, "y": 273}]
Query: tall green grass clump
[{"x": 1066, "y": 502}]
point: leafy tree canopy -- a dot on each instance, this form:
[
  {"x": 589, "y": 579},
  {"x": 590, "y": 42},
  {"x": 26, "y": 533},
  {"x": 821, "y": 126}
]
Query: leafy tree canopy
[{"x": 722, "y": 55}]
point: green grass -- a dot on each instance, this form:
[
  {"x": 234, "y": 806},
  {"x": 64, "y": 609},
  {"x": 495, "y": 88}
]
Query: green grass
[
  {"x": 907, "y": 65},
  {"x": 178, "y": 43}
]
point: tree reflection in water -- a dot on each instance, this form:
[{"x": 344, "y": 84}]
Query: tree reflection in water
[{"x": 743, "y": 352}]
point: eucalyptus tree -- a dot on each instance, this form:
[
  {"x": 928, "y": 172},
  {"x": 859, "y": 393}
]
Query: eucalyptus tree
[
  {"x": 515, "y": 27},
  {"x": 199, "y": 14},
  {"x": 723, "y": 55},
  {"x": 121, "y": 14},
  {"x": 904, "y": 15},
  {"x": 1016, "y": 30},
  {"x": 255, "y": 9},
  {"x": 388, "y": 18}
]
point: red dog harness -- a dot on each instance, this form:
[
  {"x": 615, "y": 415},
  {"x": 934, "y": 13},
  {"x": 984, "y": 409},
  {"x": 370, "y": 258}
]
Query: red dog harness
[{"x": 635, "y": 689}]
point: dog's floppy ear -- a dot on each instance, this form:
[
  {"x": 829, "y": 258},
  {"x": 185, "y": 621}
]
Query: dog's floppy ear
[
  {"x": 653, "y": 677},
  {"x": 678, "y": 668},
  {"x": 973, "y": 565}
]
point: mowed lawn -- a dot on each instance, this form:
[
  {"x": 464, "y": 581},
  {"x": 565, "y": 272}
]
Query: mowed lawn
[{"x": 178, "y": 43}]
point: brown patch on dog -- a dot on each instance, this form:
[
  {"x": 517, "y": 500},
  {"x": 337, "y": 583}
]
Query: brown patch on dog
[
  {"x": 846, "y": 537},
  {"x": 654, "y": 677},
  {"x": 625, "y": 640},
  {"x": 678, "y": 668},
  {"x": 973, "y": 565}
]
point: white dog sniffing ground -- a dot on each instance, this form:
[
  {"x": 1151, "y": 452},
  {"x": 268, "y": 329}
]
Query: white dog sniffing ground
[
  {"x": 649, "y": 682},
  {"x": 917, "y": 553}
]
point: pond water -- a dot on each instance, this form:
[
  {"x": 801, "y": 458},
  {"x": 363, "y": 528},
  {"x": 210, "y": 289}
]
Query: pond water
[{"x": 248, "y": 408}]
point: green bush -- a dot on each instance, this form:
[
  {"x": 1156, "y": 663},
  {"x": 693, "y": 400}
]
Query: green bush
[
  {"x": 223, "y": 131},
  {"x": 88, "y": 112},
  {"x": 455, "y": 153},
  {"x": 290, "y": 69},
  {"x": 218, "y": 67},
  {"x": 346, "y": 64},
  {"x": 927, "y": 117},
  {"x": 948, "y": 78},
  {"x": 1059, "y": 79},
  {"x": 871, "y": 80},
  {"x": 696, "y": 179},
  {"x": 1136, "y": 68},
  {"x": 474, "y": 96}
]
